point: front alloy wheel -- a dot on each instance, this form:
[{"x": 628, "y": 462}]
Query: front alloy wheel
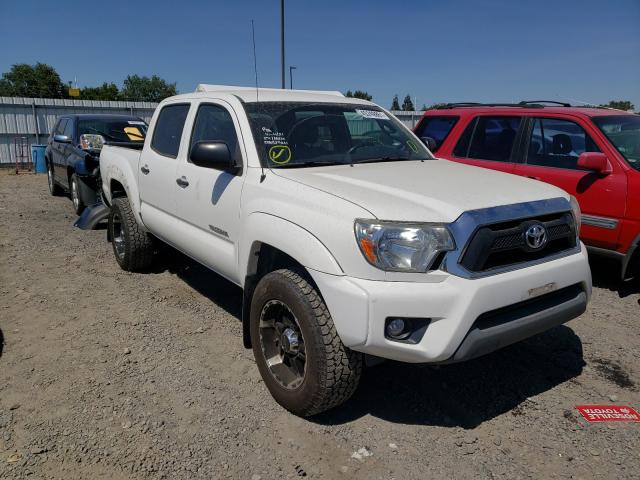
[{"x": 282, "y": 344}]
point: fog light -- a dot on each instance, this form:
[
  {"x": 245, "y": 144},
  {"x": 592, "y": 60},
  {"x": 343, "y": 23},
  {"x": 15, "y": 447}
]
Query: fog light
[{"x": 396, "y": 328}]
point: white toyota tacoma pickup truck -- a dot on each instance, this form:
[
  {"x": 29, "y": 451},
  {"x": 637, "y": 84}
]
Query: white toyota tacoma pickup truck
[{"x": 347, "y": 236}]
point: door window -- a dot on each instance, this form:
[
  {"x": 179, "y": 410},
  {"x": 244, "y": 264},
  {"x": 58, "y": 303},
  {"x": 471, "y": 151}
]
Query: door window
[
  {"x": 168, "y": 129},
  {"x": 60, "y": 126},
  {"x": 214, "y": 124},
  {"x": 68, "y": 129},
  {"x": 437, "y": 128},
  {"x": 558, "y": 143},
  {"x": 493, "y": 138}
]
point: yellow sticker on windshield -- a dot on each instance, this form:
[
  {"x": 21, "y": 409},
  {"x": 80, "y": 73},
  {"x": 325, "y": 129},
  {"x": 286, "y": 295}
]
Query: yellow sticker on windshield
[
  {"x": 412, "y": 146},
  {"x": 280, "y": 154},
  {"x": 134, "y": 134}
]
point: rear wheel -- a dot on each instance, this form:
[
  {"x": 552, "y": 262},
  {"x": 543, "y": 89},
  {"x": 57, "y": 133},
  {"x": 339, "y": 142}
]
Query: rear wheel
[
  {"x": 54, "y": 188},
  {"x": 132, "y": 245},
  {"x": 299, "y": 354},
  {"x": 78, "y": 204}
]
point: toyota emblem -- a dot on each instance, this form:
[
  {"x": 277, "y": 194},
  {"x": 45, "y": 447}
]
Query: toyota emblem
[{"x": 536, "y": 236}]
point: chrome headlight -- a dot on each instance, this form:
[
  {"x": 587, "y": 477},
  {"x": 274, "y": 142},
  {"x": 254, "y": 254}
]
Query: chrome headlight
[
  {"x": 404, "y": 247},
  {"x": 577, "y": 214}
]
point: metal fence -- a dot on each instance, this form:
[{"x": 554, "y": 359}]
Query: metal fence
[{"x": 30, "y": 120}]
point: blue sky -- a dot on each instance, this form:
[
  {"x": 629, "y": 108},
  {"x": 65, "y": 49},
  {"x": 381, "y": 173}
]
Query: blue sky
[{"x": 453, "y": 50}]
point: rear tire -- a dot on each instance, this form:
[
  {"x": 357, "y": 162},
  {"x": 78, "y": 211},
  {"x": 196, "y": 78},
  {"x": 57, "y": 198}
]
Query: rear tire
[
  {"x": 54, "y": 188},
  {"x": 320, "y": 372},
  {"x": 74, "y": 190},
  {"x": 132, "y": 245}
]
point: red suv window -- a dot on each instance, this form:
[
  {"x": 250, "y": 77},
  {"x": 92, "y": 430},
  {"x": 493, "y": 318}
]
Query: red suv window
[
  {"x": 489, "y": 138},
  {"x": 437, "y": 128},
  {"x": 558, "y": 143}
]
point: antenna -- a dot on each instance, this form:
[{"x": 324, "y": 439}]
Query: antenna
[
  {"x": 255, "y": 70},
  {"x": 255, "y": 61}
]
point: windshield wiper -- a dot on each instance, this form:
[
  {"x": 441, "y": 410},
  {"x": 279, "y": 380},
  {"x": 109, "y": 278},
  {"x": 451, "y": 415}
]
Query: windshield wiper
[
  {"x": 383, "y": 159},
  {"x": 309, "y": 164}
]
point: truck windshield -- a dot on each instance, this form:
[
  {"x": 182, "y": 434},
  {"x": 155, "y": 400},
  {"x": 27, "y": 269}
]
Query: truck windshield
[
  {"x": 294, "y": 134},
  {"x": 623, "y": 131},
  {"x": 114, "y": 130}
]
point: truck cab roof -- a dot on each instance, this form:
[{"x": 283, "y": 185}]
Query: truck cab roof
[{"x": 251, "y": 94}]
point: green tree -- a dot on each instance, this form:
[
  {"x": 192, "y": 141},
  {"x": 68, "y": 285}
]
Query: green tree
[
  {"x": 145, "y": 89},
  {"x": 358, "y": 94},
  {"x": 39, "y": 80},
  {"x": 407, "y": 104},
  {"x": 106, "y": 91},
  {"x": 434, "y": 106},
  {"x": 619, "y": 105},
  {"x": 396, "y": 104}
]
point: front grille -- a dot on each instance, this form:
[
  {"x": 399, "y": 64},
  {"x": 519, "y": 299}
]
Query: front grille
[{"x": 503, "y": 244}]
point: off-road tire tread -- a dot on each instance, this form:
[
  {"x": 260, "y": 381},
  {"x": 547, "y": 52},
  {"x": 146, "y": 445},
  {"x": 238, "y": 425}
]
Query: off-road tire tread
[
  {"x": 342, "y": 367},
  {"x": 138, "y": 243}
]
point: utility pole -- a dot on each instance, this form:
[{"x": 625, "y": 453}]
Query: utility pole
[
  {"x": 291, "y": 69},
  {"x": 282, "y": 43}
]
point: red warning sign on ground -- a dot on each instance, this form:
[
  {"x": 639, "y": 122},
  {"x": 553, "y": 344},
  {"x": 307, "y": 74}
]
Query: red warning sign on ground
[{"x": 608, "y": 413}]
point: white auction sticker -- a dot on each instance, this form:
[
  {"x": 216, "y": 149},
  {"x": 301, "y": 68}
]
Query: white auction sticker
[
  {"x": 135, "y": 122},
  {"x": 373, "y": 114}
]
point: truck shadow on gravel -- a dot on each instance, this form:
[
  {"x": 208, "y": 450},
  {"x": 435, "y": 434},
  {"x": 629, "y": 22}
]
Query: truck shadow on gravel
[
  {"x": 1, "y": 342},
  {"x": 217, "y": 289},
  {"x": 605, "y": 273},
  {"x": 465, "y": 394}
]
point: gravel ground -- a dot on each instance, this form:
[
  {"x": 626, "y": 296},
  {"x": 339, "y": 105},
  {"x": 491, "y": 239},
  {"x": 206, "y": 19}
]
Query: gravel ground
[{"x": 107, "y": 374}]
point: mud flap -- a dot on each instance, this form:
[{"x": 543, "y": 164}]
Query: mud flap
[{"x": 92, "y": 216}]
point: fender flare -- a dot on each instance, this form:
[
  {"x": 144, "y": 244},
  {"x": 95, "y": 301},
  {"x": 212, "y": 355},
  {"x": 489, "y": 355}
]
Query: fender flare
[
  {"x": 291, "y": 238},
  {"x": 114, "y": 172}
]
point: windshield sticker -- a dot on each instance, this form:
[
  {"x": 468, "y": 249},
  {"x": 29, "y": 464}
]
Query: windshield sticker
[
  {"x": 135, "y": 122},
  {"x": 134, "y": 134},
  {"x": 375, "y": 114},
  {"x": 412, "y": 146},
  {"x": 280, "y": 154},
  {"x": 271, "y": 137}
]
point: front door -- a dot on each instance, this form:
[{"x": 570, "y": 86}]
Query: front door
[
  {"x": 208, "y": 201},
  {"x": 551, "y": 155},
  {"x": 157, "y": 170}
]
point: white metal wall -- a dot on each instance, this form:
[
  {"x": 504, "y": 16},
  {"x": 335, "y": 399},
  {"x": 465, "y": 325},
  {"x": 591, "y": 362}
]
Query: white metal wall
[{"x": 18, "y": 117}]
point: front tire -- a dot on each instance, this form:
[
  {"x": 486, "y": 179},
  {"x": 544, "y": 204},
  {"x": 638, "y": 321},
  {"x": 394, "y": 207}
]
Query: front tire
[
  {"x": 54, "y": 188},
  {"x": 299, "y": 354},
  {"x": 132, "y": 245},
  {"x": 78, "y": 204}
]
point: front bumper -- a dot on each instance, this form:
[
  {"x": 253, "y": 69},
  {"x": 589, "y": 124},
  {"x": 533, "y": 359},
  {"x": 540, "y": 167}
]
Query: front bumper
[{"x": 458, "y": 308}]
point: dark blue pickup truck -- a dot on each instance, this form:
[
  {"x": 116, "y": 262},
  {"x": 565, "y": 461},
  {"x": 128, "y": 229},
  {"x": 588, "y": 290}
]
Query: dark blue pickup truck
[{"x": 73, "y": 152}]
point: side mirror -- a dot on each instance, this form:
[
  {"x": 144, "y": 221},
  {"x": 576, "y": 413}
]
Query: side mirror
[
  {"x": 594, "y": 161},
  {"x": 61, "y": 138},
  {"x": 213, "y": 155},
  {"x": 430, "y": 143}
]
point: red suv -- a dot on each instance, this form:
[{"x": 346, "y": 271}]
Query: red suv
[{"x": 592, "y": 153}]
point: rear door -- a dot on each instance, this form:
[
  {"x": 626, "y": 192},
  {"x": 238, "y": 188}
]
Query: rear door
[
  {"x": 490, "y": 141},
  {"x": 157, "y": 171},
  {"x": 551, "y": 150},
  {"x": 208, "y": 200}
]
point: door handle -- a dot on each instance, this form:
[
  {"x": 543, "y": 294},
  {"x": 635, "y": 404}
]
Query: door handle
[
  {"x": 182, "y": 182},
  {"x": 144, "y": 169}
]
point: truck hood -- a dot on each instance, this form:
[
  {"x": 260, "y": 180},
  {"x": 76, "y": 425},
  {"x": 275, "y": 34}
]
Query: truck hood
[{"x": 429, "y": 191}]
